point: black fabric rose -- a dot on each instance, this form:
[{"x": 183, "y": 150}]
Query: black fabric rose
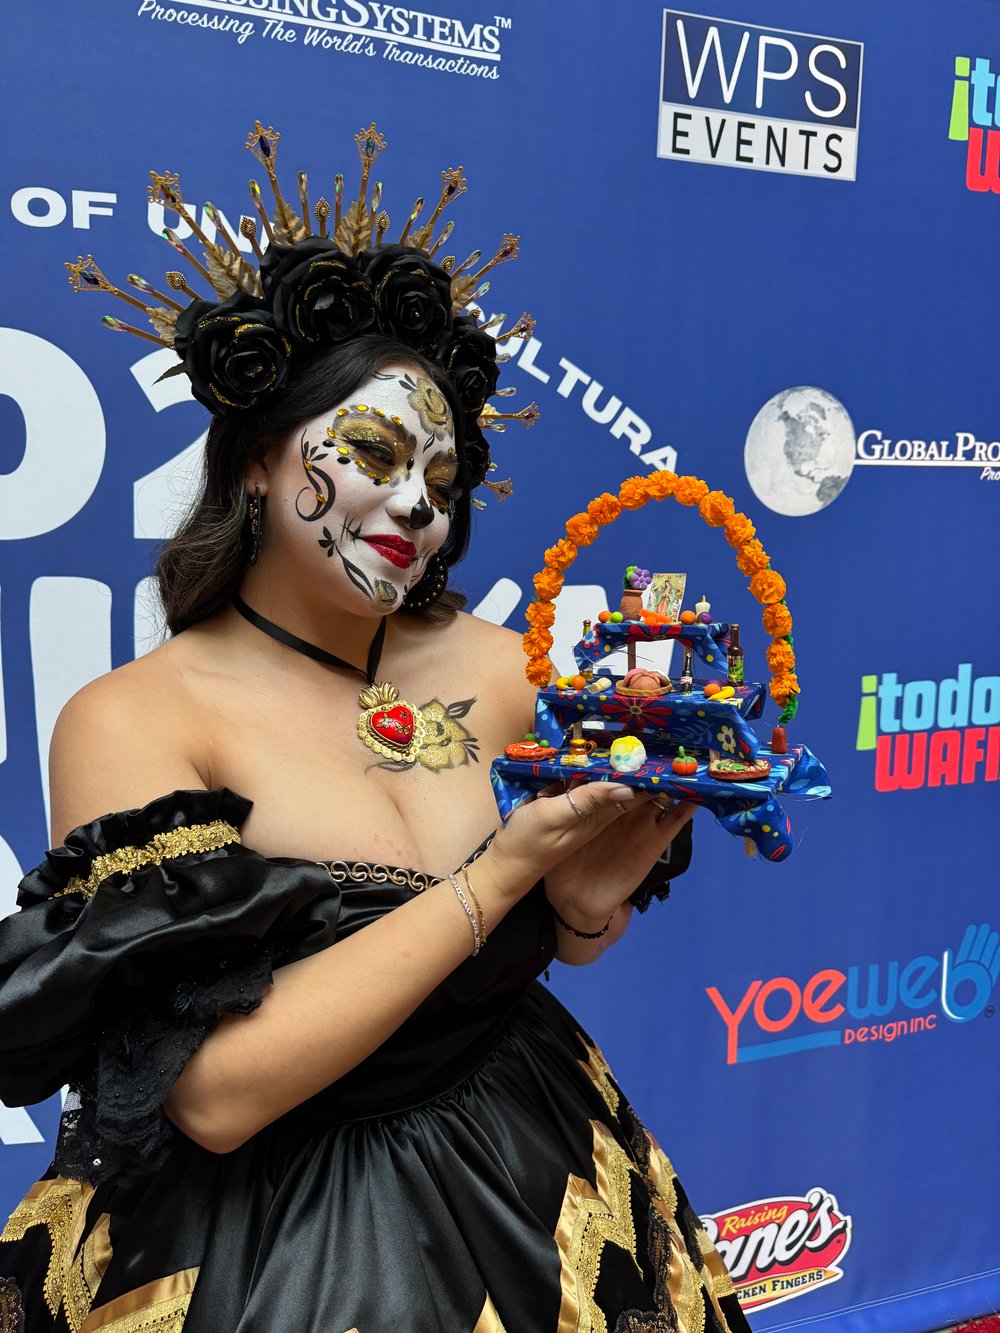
[
  {"x": 232, "y": 351},
  {"x": 477, "y": 452},
  {"x": 316, "y": 293},
  {"x": 470, "y": 360},
  {"x": 412, "y": 295}
]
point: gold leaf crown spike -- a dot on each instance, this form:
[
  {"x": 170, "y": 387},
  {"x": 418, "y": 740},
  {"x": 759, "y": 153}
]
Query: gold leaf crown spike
[
  {"x": 415, "y": 212},
  {"x": 321, "y": 212},
  {"x": 226, "y": 270},
  {"x": 463, "y": 284},
  {"x": 453, "y": 183},
  {"x": 263, "y": 144},
  {"x": 353, "y": 231},
  {"x": 523, "y": 329}
]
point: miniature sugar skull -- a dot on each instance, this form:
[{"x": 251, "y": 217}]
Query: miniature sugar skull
[{"x": 628, "y": 754}]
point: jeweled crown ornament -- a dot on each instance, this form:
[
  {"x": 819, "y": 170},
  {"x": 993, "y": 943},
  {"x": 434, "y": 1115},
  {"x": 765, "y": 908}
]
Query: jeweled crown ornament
[{"x": 323, "y": 275}]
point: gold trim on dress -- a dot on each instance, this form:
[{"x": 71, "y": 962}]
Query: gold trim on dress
[
  {"x": 597, "y": 1070},
  {"x": 591, "y": 1217},
  {"x": 161, "y": 847},
  {"x": 375, "y": 872},
  {"x": 61, "y": 1207},
  {"x": 489, "y": 1321},
  {"x": 84, "y": 1276},
  {"x": 157, "y": 1307}
]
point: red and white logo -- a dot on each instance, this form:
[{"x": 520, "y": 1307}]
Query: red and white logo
[{"x": 776, "y": 1249}]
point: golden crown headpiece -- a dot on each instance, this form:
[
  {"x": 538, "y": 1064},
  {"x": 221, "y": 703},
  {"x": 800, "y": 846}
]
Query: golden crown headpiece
[{"x": 323, "y": 275}]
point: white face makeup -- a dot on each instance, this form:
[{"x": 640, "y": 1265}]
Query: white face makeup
[{"x": 377, "y": 483}]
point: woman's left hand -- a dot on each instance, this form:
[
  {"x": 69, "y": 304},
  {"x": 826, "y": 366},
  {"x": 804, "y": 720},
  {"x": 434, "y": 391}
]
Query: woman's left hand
[{"x": 589, "y": 885}]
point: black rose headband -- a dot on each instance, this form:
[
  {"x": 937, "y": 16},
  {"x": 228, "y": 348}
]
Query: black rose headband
[{"x": 310, "y": 291}]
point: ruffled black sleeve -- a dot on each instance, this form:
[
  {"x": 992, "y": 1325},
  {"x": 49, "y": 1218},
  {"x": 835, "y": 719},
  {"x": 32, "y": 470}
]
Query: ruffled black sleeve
[{"x": 132, "y": 939}]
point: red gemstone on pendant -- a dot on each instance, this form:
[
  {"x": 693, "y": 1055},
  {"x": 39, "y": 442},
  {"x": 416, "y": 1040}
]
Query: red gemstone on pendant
[{"x": 393, "y": 725}]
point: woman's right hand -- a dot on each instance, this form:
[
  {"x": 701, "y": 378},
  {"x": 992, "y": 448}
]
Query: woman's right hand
[{"x": 544, "y": 831}]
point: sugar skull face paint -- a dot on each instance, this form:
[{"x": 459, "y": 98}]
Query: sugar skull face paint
[{"x": 379, "y": 476}]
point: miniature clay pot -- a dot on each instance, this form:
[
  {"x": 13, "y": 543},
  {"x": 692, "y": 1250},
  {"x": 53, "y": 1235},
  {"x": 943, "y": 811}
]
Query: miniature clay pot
[{"x": 631, "y": 604}]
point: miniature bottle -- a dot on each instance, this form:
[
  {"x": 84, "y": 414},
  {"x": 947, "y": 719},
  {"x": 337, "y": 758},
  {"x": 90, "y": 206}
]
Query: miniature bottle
[
  {"x": 687, "y": 674},
  {"x": 734, "y": 658}
]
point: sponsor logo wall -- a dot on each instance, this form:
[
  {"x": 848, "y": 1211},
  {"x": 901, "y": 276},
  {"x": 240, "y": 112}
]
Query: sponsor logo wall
[{"x": 816, "y": 1039}]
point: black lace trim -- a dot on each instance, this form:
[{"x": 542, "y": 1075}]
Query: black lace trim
[{"x": 113, "y": 1124}]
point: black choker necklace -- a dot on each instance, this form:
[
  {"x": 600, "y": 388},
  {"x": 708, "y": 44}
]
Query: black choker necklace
[{"x": 388, "y": 725}]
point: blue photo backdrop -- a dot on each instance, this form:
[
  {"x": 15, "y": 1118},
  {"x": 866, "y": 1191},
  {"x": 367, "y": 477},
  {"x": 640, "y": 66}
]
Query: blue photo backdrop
[{"x": 760, "y": 241}]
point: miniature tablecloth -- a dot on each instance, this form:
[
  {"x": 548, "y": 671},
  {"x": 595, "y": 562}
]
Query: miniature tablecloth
[{"x": 750, "y": 809}]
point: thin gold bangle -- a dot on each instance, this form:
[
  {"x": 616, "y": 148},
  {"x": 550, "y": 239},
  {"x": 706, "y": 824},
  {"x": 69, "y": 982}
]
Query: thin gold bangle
[
  {"x": 476, "y": 904},
  {"x": 466, "y": 907}
]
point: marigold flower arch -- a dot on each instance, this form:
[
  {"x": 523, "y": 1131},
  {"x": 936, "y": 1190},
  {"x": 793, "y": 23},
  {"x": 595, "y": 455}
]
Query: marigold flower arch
[{"x": 718, "y": 511}]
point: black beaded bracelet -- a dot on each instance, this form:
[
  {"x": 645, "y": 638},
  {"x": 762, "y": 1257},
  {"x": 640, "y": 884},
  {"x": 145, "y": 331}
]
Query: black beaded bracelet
[{"x": 583, "y": 934}]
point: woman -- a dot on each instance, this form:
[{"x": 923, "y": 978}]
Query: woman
[{"x": 315, "y": 1094}]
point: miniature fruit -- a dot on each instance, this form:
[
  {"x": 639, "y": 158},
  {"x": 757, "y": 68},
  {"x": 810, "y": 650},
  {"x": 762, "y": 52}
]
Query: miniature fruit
[
  {"x": 723, "y": 692},
  {"x": 616, "y": 617},
  {"x": 687, "y": 617},
  {"x": 604, "y": 616},
  {"x": 562, "y": 683},
  {"x": 684, "y": 764},
  {"x": 577, "y": 683},
  {"x": 712, "y": 688}
]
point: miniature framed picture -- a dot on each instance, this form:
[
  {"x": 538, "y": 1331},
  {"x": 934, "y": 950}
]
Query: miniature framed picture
[{"x": 665, "y": 595}]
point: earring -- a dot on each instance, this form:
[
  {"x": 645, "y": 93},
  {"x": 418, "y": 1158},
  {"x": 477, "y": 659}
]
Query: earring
[
  {"x": 430, "y": 587},
  {"x": 255, "y": 511}
]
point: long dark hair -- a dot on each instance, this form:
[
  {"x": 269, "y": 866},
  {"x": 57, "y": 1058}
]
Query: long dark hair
[{"x": 200, "y": 568}]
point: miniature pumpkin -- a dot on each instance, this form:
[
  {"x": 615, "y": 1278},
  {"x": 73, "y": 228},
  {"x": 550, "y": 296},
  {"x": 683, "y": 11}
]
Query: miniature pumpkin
[{"x": 685, "y": 765}]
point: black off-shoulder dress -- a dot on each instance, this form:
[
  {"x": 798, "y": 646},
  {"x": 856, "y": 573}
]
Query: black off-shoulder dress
[{"x": 481, "y": 1171}]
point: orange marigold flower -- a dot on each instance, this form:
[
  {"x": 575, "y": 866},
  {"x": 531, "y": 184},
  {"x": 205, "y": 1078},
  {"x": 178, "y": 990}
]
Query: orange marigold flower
[
  {"x": 560, "y": 556},
  {"x": 716, "y": 508},
  {"x": 739, "y": 531},
  {"x": 581, "y": 529},
  {"x": 777, "y": 620},
  {"x": 633, "y": 493},
  {"x": 539, "y": 672},
  {"x": 605, "y": 509},
  {"x": 660, "y": 485},
  {"x": 767, "y": 586},
  {"x": 780, "y": 656},
  {"x": 548, "y": 583},
  {"x": 690, "y": 490},
  {"x": 537, "y": 642},
  {"x": 540, "y": 615},
  {"x": 783, "y": 686},
  {"x": 752, "y": 558}
]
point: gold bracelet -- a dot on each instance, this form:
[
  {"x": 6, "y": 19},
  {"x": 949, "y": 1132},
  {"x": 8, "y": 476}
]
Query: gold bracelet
[
  {"x": 473, "y": 922},
  {"x": 476, "y": 904}
]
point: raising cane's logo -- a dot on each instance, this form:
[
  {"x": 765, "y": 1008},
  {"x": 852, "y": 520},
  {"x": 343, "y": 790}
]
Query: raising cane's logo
[{"x": 776, "y": 1249}]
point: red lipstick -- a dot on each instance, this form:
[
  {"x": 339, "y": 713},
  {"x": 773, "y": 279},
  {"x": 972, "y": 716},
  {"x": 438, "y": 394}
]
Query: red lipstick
[{"x": 394, "y": 549}]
